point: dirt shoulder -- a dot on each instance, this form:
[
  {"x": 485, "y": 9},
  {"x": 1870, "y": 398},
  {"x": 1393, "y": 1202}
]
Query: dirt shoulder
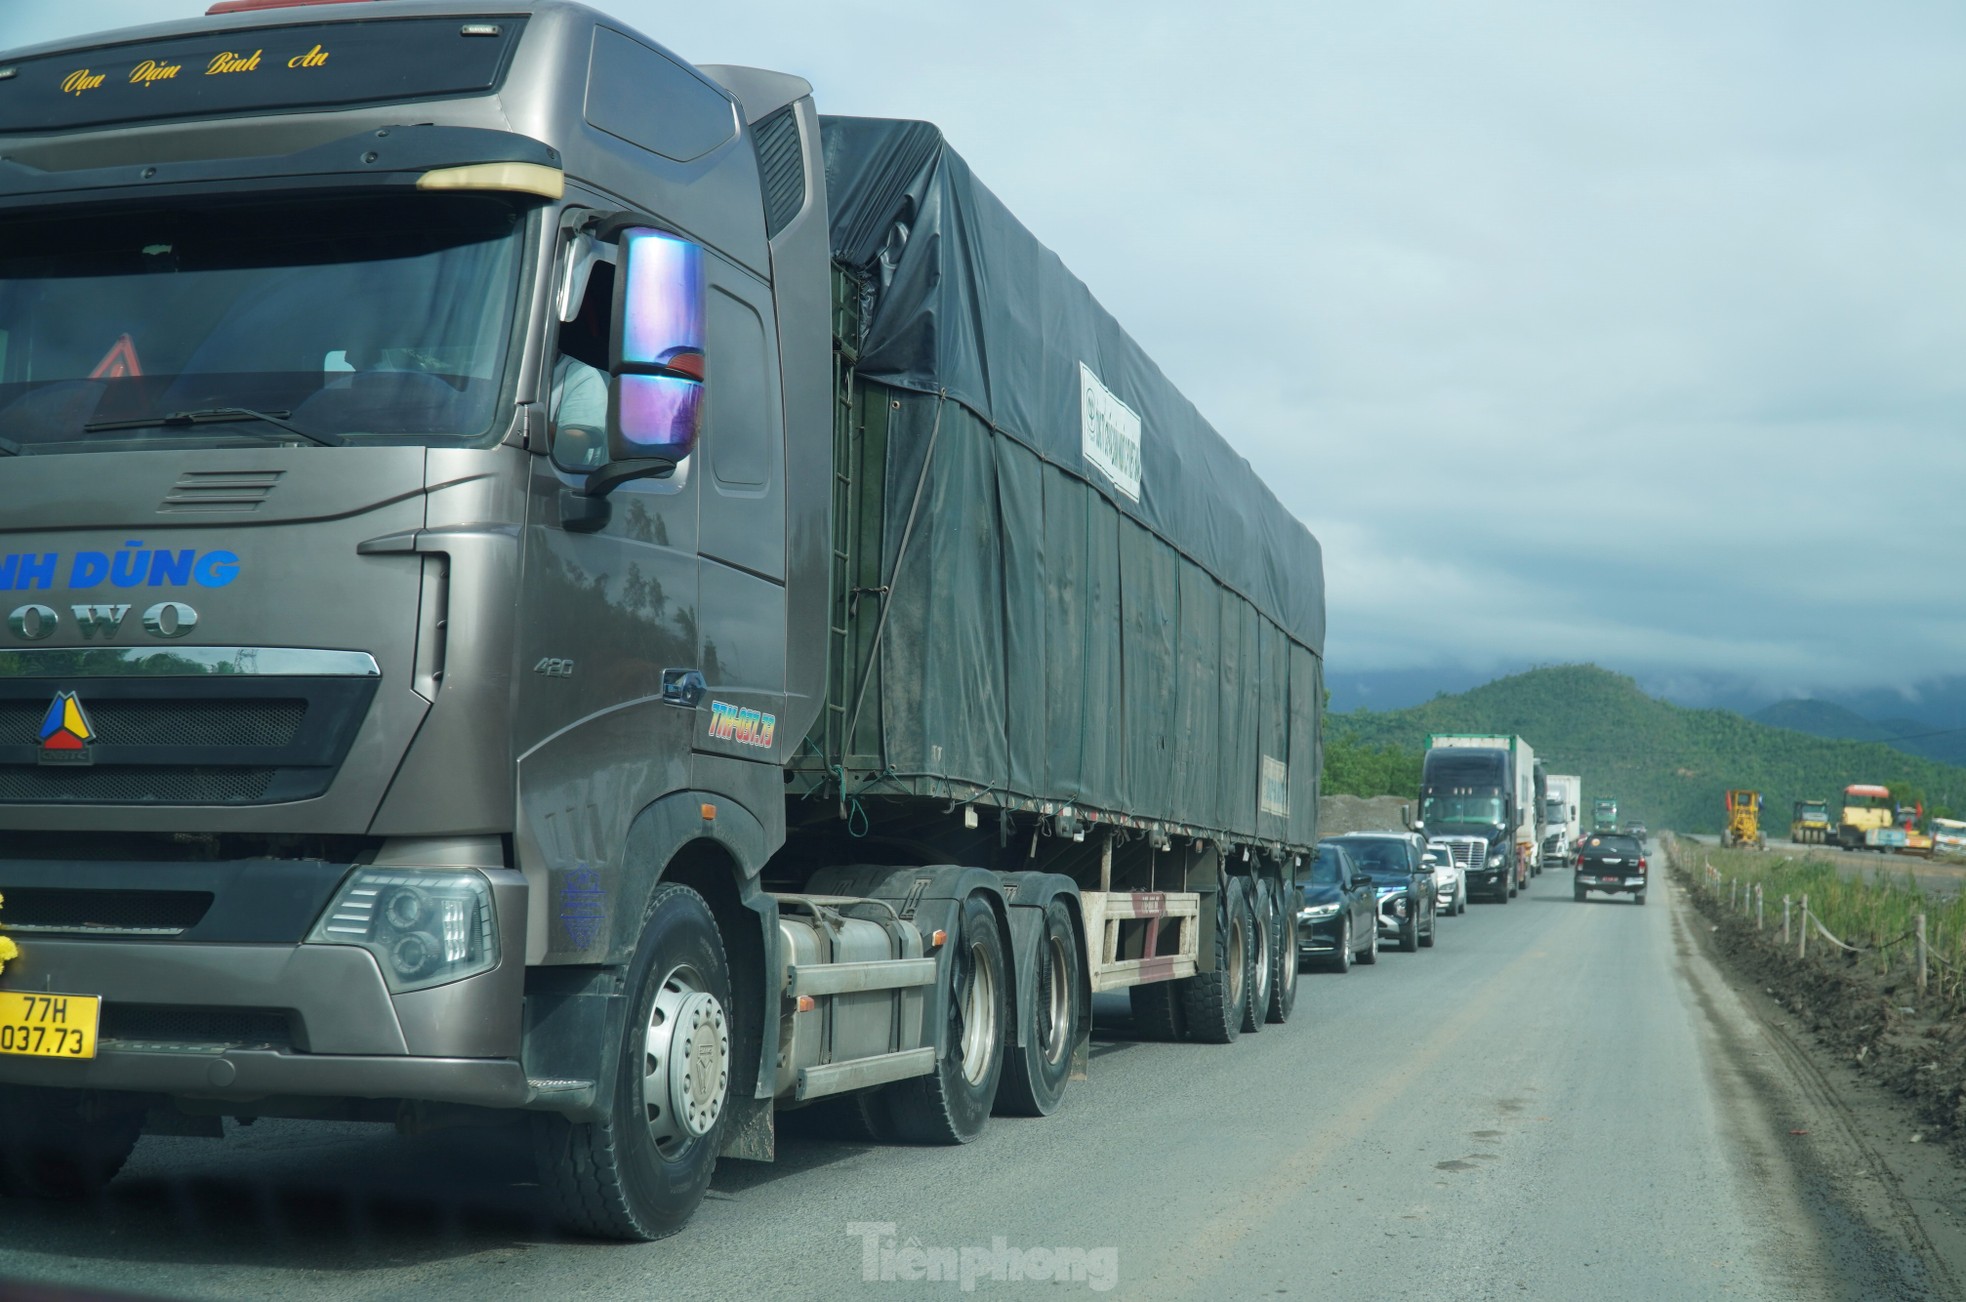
[{"x": 1873, "y": 1095}]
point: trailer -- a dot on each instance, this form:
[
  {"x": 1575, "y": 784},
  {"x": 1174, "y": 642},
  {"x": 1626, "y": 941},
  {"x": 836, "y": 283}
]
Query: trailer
[{"x": 614, "y": 601}]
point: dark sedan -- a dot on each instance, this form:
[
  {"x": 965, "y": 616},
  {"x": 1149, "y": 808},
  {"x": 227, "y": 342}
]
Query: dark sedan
[
  {"x": 1612, "y": 862},
  {"x": 1405, "y": 885},
  {"x": 1335, "y": 920}
]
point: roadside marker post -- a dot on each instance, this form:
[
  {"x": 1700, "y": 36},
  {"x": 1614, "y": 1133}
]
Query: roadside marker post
[
  {"x": 1760, "y": 919},
  {"x": 1802, "y": 944},
  {"x": 1919, "y": 927},
  {"x": 1785, "y": 919}
]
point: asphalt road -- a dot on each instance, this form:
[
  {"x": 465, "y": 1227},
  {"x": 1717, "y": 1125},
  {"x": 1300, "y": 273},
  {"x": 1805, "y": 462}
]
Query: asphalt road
[{"x": 1559, "y": 1101}]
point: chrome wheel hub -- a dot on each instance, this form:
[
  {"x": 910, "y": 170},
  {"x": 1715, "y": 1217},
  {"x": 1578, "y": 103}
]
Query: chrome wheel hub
[{"x": 685, "y": 1062}]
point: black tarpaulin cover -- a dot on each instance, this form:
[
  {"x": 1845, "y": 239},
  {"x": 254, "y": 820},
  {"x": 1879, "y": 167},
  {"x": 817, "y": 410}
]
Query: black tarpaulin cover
[
  {"x": 970, "y": 302},
  {"x": 1049, "y": 635}
]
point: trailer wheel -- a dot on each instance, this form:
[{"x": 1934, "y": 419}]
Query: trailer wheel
[
  {"x": 951, "y": 1103},
  {"x": 1212, "y": 1003},
  {"x": 1283, "y": 984},
  {"x": 59, "y": 1144},
  {"x": 1262, "y": 958},
  {"x": 1035, "y": 1072},
  {"x": 640, "y": 1172},
  {"x": 1157, "y": 1010}
]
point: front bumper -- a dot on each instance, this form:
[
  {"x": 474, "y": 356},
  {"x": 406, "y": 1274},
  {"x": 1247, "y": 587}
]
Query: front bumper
[
  {"x": 1490, "y": 881},
  {"x": 1605, "y": 881},
  {"x": 1320, "y": 935},
  {"x": 251, "y": 1021}
]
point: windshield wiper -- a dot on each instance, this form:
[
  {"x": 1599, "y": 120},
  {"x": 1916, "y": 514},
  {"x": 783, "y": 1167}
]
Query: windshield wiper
[{"x": 220, "y": 416}]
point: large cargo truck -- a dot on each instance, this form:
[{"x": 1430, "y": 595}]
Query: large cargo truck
[
  {"x": 1604, "y": 814},
  {"x": 1525, "y": 791},
  {"x": 549, "y": 580},
  {"x": 1468, "y": 805},
  {"x": 1564, "y": 810}
]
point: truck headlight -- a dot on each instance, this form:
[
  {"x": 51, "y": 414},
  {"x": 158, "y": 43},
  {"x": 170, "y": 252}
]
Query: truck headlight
[
  {"x": 424, "y": 928},
  {"x": 1498, "y": 860}
]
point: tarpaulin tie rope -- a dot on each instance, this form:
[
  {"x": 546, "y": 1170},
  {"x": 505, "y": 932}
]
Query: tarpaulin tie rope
[{"x": 887, "y": 603}]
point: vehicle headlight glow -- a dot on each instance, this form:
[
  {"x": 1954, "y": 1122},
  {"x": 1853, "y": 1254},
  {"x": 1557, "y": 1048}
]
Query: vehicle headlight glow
[
  {"x": 1312, "y": 912},
  {"x": 425, "y": 928}
]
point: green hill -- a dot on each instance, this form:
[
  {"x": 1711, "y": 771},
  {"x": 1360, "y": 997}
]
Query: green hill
[{"x": 1666, "y": 764}]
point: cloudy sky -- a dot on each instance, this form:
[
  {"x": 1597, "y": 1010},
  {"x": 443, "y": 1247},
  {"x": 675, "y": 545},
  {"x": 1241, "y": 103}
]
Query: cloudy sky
[{"x": 1625, "y": 332}]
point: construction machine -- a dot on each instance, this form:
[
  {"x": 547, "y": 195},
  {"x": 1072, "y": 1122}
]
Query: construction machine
[
  {"x": 1811, "y": 823},
  {"x": 1744, "y": 820}
]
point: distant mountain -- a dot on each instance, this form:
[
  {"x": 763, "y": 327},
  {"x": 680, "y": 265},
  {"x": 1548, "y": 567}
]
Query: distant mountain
[
  {"x": 1933, "y": 739},
  {"x": 1822, "y": 719},
  {"x": 1667, "y": 765}
]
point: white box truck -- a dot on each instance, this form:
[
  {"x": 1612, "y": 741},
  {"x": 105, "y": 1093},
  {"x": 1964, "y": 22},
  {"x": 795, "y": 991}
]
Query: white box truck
[{"x": 1563, "y": 817}]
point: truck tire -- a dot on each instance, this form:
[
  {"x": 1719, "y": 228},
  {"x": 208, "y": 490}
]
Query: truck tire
[
  {"x": 951, "y": 1103},
  {"x": 61, "y": 1143},
  {"x": 1212, "y": 1003},
  {"x": 1638, "y": 897},
  {"x": 1283, "y": 985},
  {"x": 1581, "y": 893},
  {"x": 1262, "y": 957},
  {"x": 1157, "y": 1010},
  {"x": 639, "y": 1173},
  {"x": 1035, "y": 1072}
]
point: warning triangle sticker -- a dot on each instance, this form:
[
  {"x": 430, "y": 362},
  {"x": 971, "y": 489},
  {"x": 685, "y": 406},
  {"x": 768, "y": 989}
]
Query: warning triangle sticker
[{"x": 119, "y": 362}]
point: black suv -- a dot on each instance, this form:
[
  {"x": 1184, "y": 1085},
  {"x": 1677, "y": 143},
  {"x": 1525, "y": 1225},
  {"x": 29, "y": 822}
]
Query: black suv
[
  {"x": 1404, "y": 885},
  {"x": 1612, "y": 862}
]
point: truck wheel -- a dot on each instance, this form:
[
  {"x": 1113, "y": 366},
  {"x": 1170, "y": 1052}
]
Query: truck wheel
[
  {"x": 1262, "y": 958},
  {"x": 640, "y": 1172},
  {"x": 1638, "y": 897},
  {"x": 1035, "y": 1072},
  {"x": 1283, "y": 984},
  {"x": 1212, "y": 1003},
  {"x": 1581, "y": 893},
  {"x": 1157, "y": 1010},
  {"x": 951, "y": 1103},
  {"x": 61, "y": 1143}
]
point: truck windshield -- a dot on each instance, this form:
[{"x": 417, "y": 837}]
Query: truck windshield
[
  {"x": 384, "y": 319},
  {"x": 1461, "y": 808}
]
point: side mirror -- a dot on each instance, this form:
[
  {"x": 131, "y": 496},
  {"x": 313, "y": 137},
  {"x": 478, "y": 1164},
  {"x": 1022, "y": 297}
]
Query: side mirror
[
  {"x": 657, "y": 373},
  {"x": 1406, "y": 815}
]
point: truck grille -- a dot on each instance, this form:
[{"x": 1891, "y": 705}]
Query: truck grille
[
  {"x": 124, "y": 913},
  {"x": 1466, "y": 854},
  {"x": 196, "y": 740},
  {"x": 168, "y": 723},
  {"x": 134, "y": 784}
]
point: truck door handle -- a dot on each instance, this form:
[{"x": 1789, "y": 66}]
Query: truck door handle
[{"x": 684, "y": 687}]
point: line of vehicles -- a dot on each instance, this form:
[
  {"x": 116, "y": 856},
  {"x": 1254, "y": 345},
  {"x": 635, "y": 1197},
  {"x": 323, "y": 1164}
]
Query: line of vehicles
[
  {"x": 1490, "y": 819},
  {"x": 1867, "y": 817}
]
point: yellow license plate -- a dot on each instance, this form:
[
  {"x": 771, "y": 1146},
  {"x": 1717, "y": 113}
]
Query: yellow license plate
[{"x": 48, "y": 1025}]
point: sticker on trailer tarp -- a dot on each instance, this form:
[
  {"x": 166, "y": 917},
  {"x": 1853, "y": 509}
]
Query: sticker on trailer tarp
[
  {"x": 1273, "y": 793},
  {"x": 1110, "y": 437}
]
